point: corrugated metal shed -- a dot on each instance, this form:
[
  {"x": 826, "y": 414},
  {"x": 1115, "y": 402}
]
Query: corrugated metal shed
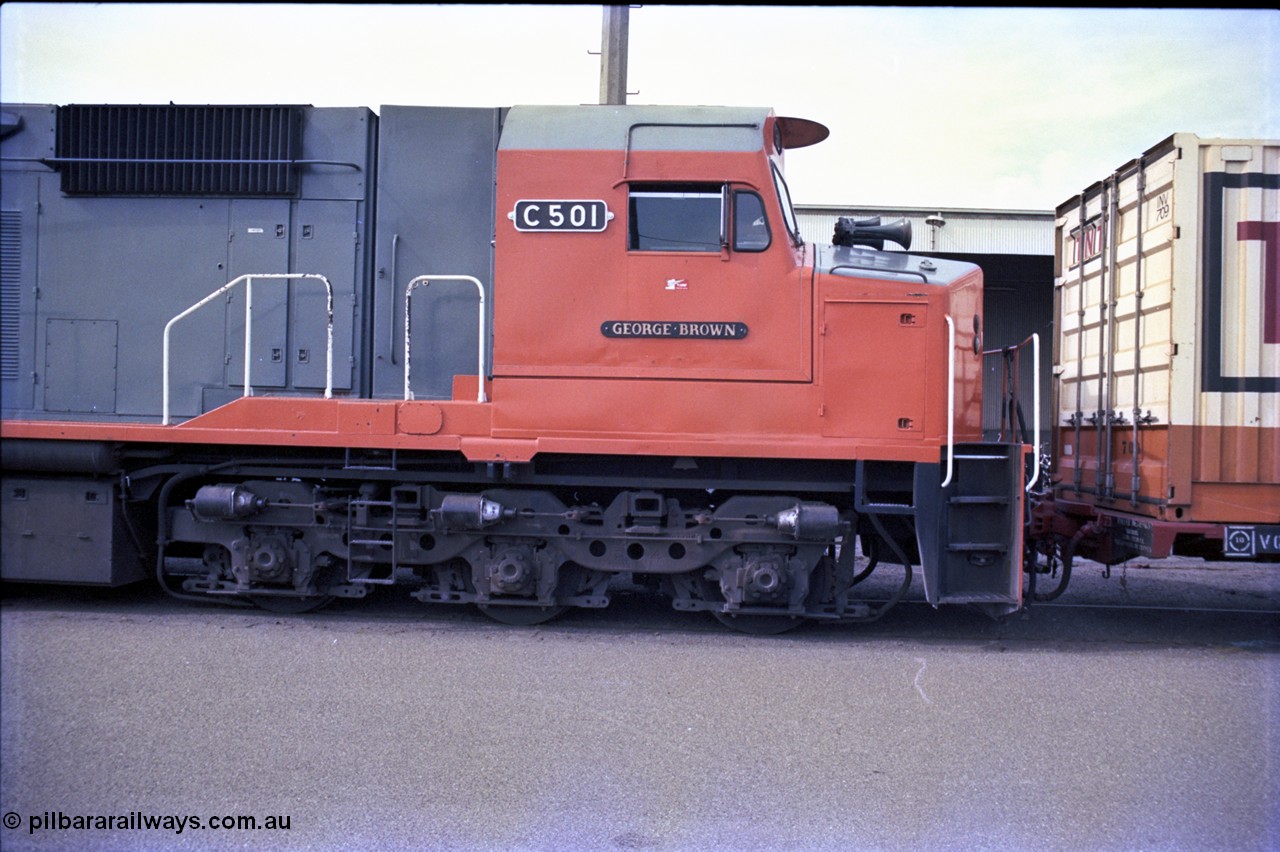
[{"x": 951, "y": 231}]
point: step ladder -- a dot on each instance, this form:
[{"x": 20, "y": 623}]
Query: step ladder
[
  {"x": 972, "y": 544},
  {"x": 372, "y": 527}
]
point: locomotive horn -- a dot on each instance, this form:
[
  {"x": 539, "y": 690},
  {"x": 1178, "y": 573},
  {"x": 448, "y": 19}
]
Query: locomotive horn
[{"x": 869, "y": 232}]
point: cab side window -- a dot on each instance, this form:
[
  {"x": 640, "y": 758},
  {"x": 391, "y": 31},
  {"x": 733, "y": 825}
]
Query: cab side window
[
  {"x": 675, "y": 217},
  {"x": 750, "y": 225}
]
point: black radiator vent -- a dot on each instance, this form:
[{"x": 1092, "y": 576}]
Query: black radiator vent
[
  {"x": 178, "y": 150},
  {"x": 10, "y": 293}
]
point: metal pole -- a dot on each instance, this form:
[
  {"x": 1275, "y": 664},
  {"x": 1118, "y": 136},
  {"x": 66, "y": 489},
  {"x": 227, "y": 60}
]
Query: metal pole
[
  {"x": 1135, "y": 483},
  {"x": 1080, "y": 316},
  {"x": 613, "y": 55}
]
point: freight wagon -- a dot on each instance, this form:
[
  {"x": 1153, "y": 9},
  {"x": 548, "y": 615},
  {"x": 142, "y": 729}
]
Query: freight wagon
[{"x": 1167, "y": 358}]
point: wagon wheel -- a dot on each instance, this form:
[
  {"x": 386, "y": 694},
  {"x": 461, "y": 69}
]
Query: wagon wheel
[{"x": 1048, "y": 567}]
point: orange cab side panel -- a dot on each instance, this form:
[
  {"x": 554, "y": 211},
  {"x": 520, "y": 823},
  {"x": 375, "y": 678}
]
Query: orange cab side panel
[{"x": 559, "y": 292}]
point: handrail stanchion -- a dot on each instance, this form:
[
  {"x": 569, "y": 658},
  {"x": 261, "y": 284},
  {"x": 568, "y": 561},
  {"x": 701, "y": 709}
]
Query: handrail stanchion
[
  {"x": 951, "y": 400},
  {"x": 425, "y": 280},
  {"x": 248, "y": 331},
  {"x": 1035, "y": 402}
]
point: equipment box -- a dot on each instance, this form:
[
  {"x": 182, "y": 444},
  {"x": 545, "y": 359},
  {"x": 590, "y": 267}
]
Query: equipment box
[{"x": 65, "y": 531}]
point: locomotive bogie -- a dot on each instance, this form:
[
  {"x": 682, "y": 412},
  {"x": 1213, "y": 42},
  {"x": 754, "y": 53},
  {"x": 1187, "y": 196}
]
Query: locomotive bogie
[
  {"x": 497, "y": 547},
  {"x": 267, "y": 537}
]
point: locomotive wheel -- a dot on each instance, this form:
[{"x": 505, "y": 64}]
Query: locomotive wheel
[
  {"x": 522, "y": 616},
  {"x": 753, "y": 625},
  {"x": 283, "y": 605},
  {"x": 759, "y": 625}
]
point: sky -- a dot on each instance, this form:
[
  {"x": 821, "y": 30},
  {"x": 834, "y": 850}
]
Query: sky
[{"x": 941, "y": 107}]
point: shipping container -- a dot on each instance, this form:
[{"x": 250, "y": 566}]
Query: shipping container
[{"x": 1167, "y": 351}]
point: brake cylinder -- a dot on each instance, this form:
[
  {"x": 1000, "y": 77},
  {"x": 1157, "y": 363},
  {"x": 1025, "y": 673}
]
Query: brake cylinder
[{"x": 225, "y": 503}]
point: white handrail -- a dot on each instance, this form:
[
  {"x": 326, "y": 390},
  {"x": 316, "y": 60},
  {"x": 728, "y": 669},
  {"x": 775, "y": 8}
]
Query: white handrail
[
  {"x": 248, "y": 331},
  {"x": 951, "y": 400},
  {"x": 425, "y": 280}
]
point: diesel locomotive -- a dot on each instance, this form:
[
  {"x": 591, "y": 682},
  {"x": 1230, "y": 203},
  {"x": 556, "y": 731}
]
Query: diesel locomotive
[{"x": 497, "y": 357}]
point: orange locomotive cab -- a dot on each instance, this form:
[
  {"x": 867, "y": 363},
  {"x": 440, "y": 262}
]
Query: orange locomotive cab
[
  {"x": 652, "y": 284},
  {"x": 690, "y": 301},
  {"x": 655, "y": 239},
  {"x": 667, "y": 294}
]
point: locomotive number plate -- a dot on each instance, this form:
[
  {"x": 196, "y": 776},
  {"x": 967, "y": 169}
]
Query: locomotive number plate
[{"x": 550, "y": 215}]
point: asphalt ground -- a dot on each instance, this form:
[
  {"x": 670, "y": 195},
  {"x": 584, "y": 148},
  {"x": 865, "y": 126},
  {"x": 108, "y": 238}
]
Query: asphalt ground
[{"x": 389, "y": 724}]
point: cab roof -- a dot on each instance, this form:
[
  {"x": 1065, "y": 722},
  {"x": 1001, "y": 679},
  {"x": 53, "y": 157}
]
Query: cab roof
[{"x": 637, "y": 128}]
